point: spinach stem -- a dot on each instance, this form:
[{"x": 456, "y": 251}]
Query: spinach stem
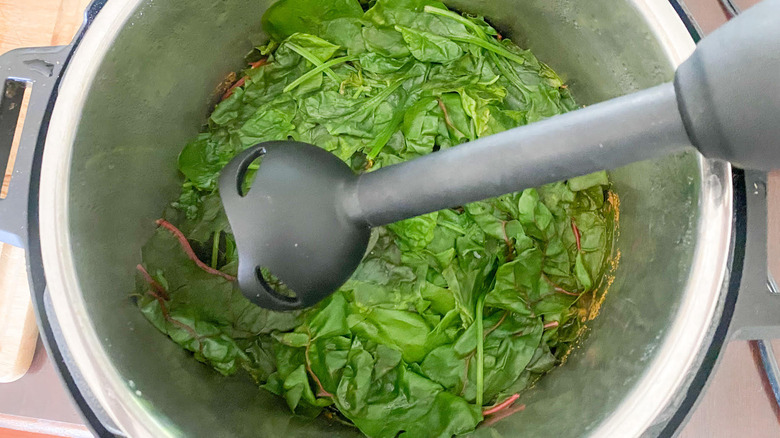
[
  {"x": 480, "y": 350},
  {"x": 381, "y": 140},
  {"x": 481, "y": 38},
  {"x": 316, "y": 70},
  {"x": 576, "y": 232},
  {"x": 384, "y": 94},
  {"x": 510, "y": 75},
  {"x": 452, "y": 227},
  {"x": 500, "y": 406},
  {"x": 321, "y": 392},
  {"x": 313, "y": 59},
  {"x": 447, "y": 118},
  {"x": 495, "y": 48},
  {"x": 457, "y": 17},
  {"x": 495, "y": 326},
  {"x": 187, "y": 248},
  {"x": 158, "y": 288},
  {"x": 215, "y": 250}
]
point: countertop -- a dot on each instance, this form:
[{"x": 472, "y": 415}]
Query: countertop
[{"x": 735, "y": 404}]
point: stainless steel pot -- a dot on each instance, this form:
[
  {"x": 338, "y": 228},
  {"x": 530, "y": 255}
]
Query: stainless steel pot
[{"x": 137, "y": 85}]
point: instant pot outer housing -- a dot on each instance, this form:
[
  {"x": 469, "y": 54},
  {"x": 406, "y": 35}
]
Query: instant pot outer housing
[{"x": 109, "y": 114}]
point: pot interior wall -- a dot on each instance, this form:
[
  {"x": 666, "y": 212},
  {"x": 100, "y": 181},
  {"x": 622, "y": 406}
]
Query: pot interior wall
[{"x": 151, "y": 95}]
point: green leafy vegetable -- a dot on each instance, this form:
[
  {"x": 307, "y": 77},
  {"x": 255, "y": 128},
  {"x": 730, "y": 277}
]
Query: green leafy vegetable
[
  {"x": 428, "y": 47},
  {"x": 325, "y": 66},
  {"x": 448, "y": 312},
  {"x": 285, "y": 18},
  {"x": 480, "y": 352}
]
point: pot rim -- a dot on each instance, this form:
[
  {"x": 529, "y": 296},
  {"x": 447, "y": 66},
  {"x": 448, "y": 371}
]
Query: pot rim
[{"x": 678, "y": 356}]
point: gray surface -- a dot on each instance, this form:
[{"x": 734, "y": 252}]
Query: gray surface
[{"x": 141, "y": 109}]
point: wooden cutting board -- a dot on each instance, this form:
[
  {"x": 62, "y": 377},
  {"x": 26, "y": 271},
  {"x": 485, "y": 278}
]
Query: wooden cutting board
[
  {"x": 18, "y": 332},
  {"x": 25, "y": 24}
]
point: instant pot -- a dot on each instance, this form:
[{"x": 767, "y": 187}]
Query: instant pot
[{"x": 109, "y": 113}]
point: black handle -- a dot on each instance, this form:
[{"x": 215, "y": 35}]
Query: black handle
[
  {"x": 36, "y": 69},
  {"x": 639, "y": 126}
]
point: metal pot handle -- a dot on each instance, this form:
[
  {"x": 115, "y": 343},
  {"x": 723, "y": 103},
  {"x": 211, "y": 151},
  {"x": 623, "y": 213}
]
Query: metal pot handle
[
  {"x": 38, "y": 70},
  {"x": 35, "y": 69},
  {"x": 757, "y": 310},
  {"x": 756, "y": 316}
]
